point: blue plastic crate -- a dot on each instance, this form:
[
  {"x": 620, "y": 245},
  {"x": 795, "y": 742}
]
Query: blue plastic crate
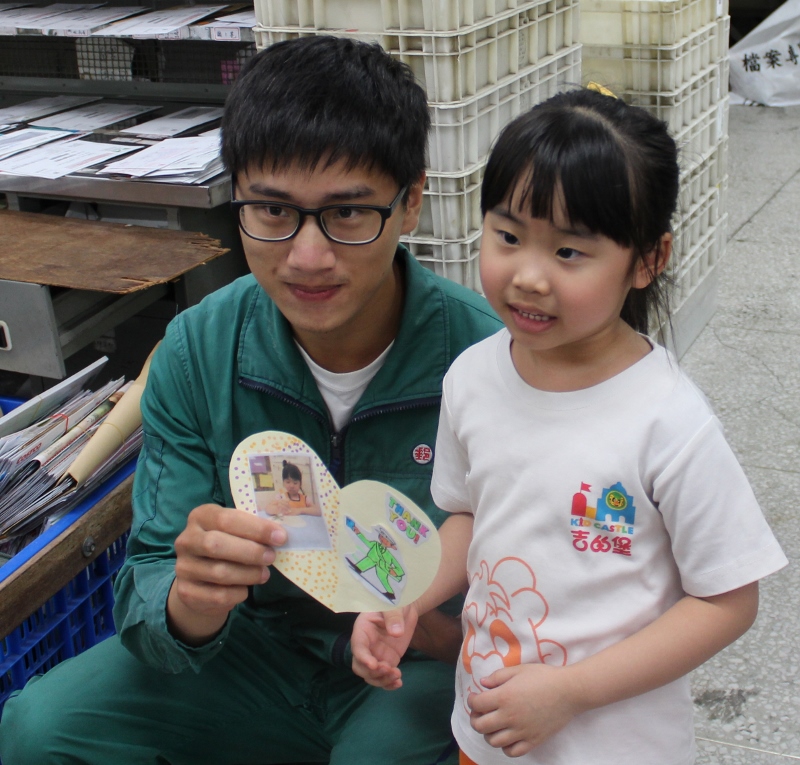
[{"x": 78, "y": 616}]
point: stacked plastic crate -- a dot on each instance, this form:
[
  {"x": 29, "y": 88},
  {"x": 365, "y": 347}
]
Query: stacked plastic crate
[
  {"x": 671, "y": 57},
  {"x": 481, "y": 62}
]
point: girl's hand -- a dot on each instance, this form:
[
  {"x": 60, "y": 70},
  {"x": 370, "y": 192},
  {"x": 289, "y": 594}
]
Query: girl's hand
[
  {"x": 279, "y": 506},
  {"x": 378, "y": 643},
  {"x": 523, "y": 706}
]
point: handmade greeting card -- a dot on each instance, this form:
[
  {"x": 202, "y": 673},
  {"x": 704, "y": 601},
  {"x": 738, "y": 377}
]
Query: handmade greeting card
[{"x": 366, "y": 547}]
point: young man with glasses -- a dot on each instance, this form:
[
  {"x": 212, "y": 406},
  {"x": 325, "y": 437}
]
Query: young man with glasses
[{"x": 339, "y": 337}]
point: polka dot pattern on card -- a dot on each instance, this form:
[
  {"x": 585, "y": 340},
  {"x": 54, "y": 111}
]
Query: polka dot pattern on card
[{"x": 316, "y": 571}]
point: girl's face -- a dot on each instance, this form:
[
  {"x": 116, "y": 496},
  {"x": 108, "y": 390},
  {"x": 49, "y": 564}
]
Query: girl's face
[
  {"x": 292, "y": 486},
  {"x": 559, "y": 290}
]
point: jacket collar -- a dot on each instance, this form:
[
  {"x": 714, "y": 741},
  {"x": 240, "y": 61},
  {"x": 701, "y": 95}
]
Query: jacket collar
[{"x": 413, "y": 370}]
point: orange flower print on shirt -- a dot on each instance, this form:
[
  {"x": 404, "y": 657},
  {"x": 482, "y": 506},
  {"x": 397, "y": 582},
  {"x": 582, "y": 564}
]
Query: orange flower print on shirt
[{"x": 502, "y": 618}]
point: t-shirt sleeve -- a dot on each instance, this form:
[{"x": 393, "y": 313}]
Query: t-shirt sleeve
[
  {"x": 450, "y": 465},
  {"x": 703, "y": 494}
]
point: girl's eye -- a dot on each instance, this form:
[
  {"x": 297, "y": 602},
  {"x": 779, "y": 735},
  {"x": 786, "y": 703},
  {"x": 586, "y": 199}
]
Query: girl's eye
[
  {"x": 567, "y": 253},
  {"x": 508, "y": 238}
]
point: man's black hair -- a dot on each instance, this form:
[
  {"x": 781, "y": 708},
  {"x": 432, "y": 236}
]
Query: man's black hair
[
  {"x": 614, "y": 166},
  {"x": 323, "y": 99}
]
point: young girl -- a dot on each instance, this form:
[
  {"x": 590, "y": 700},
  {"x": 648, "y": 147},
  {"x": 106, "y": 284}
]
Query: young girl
[
  {"x": 293, "y": 500},
  {"x": 610, "y": 539}
]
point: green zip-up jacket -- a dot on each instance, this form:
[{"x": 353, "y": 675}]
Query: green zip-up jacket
[{"x": 228, "y": 368}]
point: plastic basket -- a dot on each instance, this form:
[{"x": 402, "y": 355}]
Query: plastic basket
[
  {"x": 699, "y": 138},
  {"x": 664, "y": 69},
  {"x": 387, "y": 15},
  {"x": 457, "y": 261},
  {"x": 692, "y": 224},
  {"x": 646, "y": 22},
  {"x": 698, "y": 177},
  {"x": 695, "y": 99},
  {"x": 455, "y": 67},
  {"x": 462, "y": 133},
  {"x": 74, "y": 619},
  {"x": 698, "y": 261}
]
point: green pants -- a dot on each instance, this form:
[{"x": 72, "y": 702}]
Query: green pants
[{"x": 260, "y": 700}]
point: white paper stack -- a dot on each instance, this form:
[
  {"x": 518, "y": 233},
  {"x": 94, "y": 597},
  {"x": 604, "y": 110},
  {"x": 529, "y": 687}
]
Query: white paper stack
[
  {"x": 29, "y": 138},
  {"x": 55, "y": 160},
  {"x": 169, "y": 23},
  {"x": 176, "y": 123},
  {"x": 173, "y": 160},
  {"x": 226, "y": 28},
  {"x": 94, "y": 116},
  {"x": 41, "y": 107},
  {"x": 15, "y": 20},
  {"x": 83, "y": 22}
]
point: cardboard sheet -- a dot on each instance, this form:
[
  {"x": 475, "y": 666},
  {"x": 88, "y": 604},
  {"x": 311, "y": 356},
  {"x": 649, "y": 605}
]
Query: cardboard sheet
[{"x": 92, "y": 255}]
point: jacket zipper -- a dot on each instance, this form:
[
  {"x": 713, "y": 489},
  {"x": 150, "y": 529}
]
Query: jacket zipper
[
  {"x": 337, "y": 439},
  {"x": 336, "y": 466}
]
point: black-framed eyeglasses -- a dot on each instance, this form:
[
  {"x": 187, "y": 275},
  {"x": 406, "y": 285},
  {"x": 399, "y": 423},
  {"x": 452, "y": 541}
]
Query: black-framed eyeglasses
[{"x": 269, "y": 221}]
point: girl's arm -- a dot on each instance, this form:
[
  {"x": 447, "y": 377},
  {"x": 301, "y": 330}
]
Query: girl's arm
[
  {"x": 380, "y": 639},
  {"x": 525, "y": 705},
  {"x": 311, "y": 508}
]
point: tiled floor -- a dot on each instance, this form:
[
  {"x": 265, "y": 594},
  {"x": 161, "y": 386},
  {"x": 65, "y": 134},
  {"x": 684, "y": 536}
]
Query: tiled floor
[{"x": 747, "y": 360}]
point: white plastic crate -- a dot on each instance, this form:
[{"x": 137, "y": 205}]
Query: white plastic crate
[
  {"x": 700, "y": 137},
  {"x": 455, "y": 67},
  {"x": 699, "y": 261},
  {"x": 664, "y": 69},
  {"x": 451, "y": 207},
  {"x": 697, "y": 177},
  {"x": 646, "y": 22},
  {"x": 386, "y": 15},
  {"x": 454, "y": 260},
  {"x": 694, "y": 100},
  {"x": 692, "y": 225},
  {"x": 462, "y": 133}
]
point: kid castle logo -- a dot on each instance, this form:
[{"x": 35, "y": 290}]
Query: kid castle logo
[{"x": 606, "y": 527}]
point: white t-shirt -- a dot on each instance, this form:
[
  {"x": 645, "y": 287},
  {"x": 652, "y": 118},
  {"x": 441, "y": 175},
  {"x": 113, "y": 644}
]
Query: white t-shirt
[
  {"x": 341, "y": 390},
  {"x": 595, "y": 511}
]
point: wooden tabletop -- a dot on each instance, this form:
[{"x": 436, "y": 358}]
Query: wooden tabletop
[{"x": 98, "y": 256}]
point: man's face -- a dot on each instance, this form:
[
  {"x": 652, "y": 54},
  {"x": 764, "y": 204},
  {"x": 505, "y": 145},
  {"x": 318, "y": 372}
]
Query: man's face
[{"x": 328, "y": 292}]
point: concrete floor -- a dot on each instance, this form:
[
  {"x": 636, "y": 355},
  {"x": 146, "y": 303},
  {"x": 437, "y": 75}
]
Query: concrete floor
[{"x": 747, "y": 360}]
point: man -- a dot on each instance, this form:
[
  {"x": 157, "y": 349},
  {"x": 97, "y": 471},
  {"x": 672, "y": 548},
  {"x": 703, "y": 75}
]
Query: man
[{"x": 338, "y": 337}]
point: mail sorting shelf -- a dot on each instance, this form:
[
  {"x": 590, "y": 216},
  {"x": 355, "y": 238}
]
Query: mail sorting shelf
[{"x": 75, "y": 614}]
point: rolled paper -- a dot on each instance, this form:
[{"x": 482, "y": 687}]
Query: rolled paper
[{"x": 118, "y": 425}]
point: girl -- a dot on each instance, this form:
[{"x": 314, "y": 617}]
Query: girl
[
  {"x": 610, "y": 539},
  {"x": 293, "y": 500}
]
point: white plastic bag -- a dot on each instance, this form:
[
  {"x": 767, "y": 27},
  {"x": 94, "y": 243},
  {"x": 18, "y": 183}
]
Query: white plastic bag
[{"x": 765, "y": 65}]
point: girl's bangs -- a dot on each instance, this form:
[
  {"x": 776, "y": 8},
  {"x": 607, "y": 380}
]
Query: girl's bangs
[{"x": 575, "y": 167}]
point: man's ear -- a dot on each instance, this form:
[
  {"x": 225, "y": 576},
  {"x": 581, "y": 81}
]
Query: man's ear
[
  {"x": 413, "y": 205},
  {"x": 652, "y": 264}
]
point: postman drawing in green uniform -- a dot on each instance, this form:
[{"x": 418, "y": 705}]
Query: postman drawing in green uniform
[{"x": 378, "y": 566}]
